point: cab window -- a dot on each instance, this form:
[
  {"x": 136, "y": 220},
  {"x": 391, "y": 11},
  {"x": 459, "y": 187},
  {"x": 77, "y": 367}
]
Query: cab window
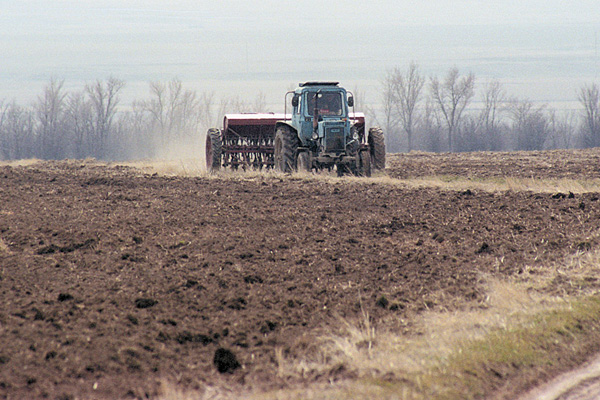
[{"x": 328, "y": 103}]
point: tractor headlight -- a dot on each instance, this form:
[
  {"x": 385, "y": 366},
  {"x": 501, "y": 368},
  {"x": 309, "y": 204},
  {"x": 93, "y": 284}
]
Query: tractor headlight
[
  {"x": 355, "y": 135},
  {"x": 315, "y": 135}
]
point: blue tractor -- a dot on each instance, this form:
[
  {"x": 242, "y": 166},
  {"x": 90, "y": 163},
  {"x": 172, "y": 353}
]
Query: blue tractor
[{"x": 321, "y": 132}]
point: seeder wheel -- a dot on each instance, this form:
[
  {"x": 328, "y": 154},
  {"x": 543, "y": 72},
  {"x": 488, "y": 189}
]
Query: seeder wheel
[{"x": 214, "y": 147}]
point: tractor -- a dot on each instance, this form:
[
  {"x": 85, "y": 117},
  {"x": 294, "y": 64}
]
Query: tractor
[{"x": 319, "y": 133}]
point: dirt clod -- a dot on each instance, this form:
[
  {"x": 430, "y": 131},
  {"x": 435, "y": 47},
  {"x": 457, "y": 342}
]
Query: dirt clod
[
  {"x": 225, "y": 361},
  {"x": 253, "y": 279},
  {"x": 185, "y": 337},
  {"x": 484, "y": 248},
  {"x": 145, "y": 303},
  {"x": 382, "y": 302},
  {"x": 237, "y": 303},
  {"x": 51, "y": 249},
  {"x": 64, "y": 297}
]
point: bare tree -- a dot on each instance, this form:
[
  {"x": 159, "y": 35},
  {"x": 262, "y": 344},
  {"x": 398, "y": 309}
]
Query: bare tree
[
  {"x": 562, "y": 128},
  {"x": 3, "y": 136},
  {"x": 260, "y": 102},
  {"x": 206, "y": 104},
  {"x": 468, "y": 136},
  {"x": 361, "y": 104},
  {"x": 589, "y": 96},
  {"x": 50, "y": 116},
  {"x": 157, "y": 108},
  {"x": 17, "y": 134},
  {"x": 452, "y": 97},
  {"x": 3, "y": 110},
  {"x": 490, "y": 117},
  {"x": 530, "y": 125},
  {"x": 104, "y": 97},
  {"x": 406, "y": 93},
  {"x": 174, "y": 112},
  {"x": 80, "y": 124},
  {"x": 431, "y": 127},
  {"x": 138, "y": 124},
  {"x": 183, "y": 110},
  {"x": 390, "y": 121},
  {"x": 241, "y": 105}
]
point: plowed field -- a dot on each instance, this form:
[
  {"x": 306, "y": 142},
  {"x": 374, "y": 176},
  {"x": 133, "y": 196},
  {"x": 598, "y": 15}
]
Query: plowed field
[
  {"x": 572, "y": 164},
  {"x": 113, "y": 281}
]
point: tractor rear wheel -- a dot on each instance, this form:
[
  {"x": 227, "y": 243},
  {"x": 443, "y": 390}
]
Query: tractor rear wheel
[
  {"x": 377, "y": 148},
  {"x": 286, "y": 149},
  {"x": 214, "y": 147}
]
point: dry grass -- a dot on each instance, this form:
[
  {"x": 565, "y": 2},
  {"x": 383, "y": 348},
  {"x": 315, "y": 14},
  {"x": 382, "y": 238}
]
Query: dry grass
[
  {"x": 20, "y": 163},
  {"x": 196, "y": 168},
  {"x": 579, "y": 270},
  {"x": 4, "y": 249},
  {"x": 499, "y": 184},
  {"x": 172, "y": 391},
  {"x": 189, "y": 167}
]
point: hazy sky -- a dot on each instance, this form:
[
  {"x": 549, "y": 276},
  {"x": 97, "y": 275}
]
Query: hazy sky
[{"x": 542, "y": 50}]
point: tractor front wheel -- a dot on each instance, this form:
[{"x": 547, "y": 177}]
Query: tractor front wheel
[
  {"x": 286, "y": 149},
  {"x": 364, "y": 164},
  {"x": 304, "y": 161}
]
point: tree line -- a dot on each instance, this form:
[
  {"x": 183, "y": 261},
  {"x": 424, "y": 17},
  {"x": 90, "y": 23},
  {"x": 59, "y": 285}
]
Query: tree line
[
  {"x": 438, "y": 115},
  {"x": 91, "y": 124},
  {"x": 416, "y": 113}
]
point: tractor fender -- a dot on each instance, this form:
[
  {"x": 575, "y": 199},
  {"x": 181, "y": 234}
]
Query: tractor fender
[{"x": 285, "y": 123}]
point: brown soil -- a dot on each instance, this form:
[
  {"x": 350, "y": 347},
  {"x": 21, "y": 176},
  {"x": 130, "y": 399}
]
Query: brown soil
[{"x": 112, "y": 280}]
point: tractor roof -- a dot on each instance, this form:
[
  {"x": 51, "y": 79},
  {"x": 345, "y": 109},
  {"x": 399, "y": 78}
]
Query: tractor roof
[{"x": 315, "y": 83}]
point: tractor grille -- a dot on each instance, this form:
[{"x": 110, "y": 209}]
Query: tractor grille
[{"x": 334, "y": 138}]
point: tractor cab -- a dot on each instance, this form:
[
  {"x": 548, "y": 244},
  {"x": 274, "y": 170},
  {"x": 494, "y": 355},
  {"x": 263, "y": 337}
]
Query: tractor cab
[{"x": 321, "y": 117}]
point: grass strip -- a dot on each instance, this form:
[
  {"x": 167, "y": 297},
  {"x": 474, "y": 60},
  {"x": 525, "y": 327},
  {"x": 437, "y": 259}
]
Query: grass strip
[{"x": 511, "y": 360}]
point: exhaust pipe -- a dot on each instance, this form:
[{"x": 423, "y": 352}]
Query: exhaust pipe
[{"x": 316, "y": 112}]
